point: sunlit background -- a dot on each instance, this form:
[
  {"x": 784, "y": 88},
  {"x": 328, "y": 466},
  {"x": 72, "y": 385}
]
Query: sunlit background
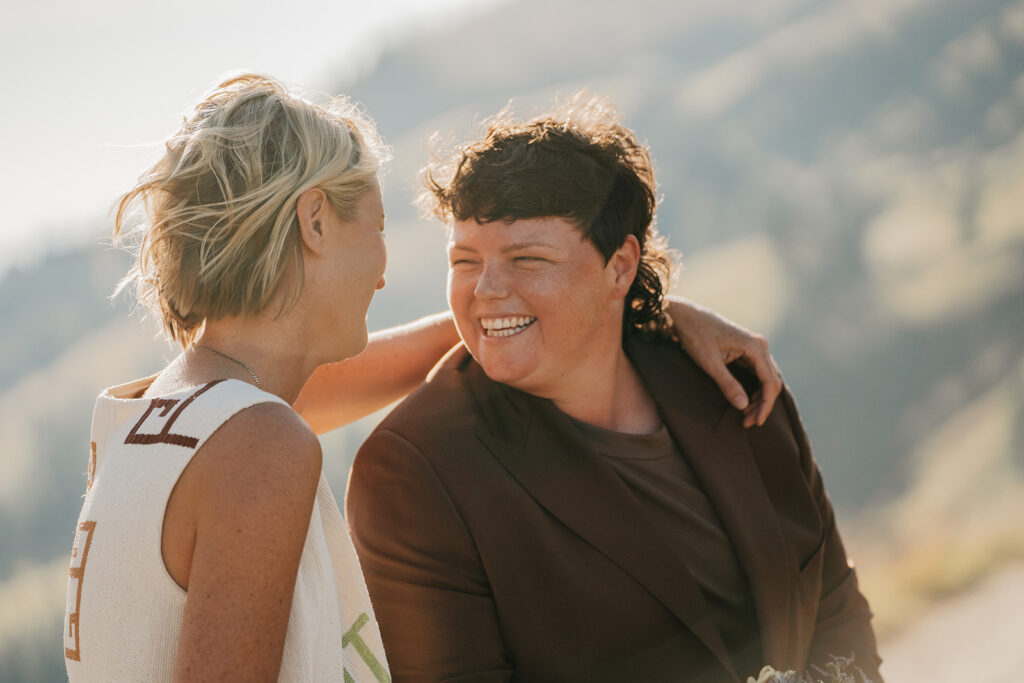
[{"x": 846, "y": 177}]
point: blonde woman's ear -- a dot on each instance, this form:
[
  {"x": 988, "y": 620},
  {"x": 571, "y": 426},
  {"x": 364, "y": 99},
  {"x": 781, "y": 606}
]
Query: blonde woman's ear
[{"x": 311, "y": 211}]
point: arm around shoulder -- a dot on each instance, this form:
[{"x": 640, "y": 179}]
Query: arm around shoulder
[
  {"x": 430, "y": 593},
  {"x": 394, "y": 363},
  {"x": 257, "y": 478}
]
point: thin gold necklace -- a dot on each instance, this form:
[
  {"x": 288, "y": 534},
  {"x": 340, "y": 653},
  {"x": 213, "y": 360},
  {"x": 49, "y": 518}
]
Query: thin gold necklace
[{"x": 224, "y": 355}]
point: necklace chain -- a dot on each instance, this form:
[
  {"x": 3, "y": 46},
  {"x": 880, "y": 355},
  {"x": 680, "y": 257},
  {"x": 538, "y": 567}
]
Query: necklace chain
[{"x": 234, "y": 360}]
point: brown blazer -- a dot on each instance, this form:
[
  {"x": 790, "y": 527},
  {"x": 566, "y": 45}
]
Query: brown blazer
[{"x": 495, "y": 548}]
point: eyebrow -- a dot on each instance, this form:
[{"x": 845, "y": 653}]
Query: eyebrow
[{"x": 516, "y": 246}]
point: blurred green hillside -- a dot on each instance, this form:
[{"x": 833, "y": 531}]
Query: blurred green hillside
[{"x": 846, "y": 177}]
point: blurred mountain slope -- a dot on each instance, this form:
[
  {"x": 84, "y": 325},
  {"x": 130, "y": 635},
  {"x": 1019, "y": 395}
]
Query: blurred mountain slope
[
  {"x": 47, "y": 307},
  {"x": 845, "y": 176}
]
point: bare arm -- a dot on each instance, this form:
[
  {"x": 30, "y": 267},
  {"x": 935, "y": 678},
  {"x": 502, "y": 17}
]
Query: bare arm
[
  {"x": 256, "y": 480},
  {"x": 395, "y": 362},
  {"x": 713, "y": 342}
]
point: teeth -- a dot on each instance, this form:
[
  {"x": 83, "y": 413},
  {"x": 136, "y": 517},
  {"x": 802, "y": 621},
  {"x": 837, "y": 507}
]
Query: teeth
[
  {"x": 505, "y": 327},
  {"x": 504, "y": 323}
]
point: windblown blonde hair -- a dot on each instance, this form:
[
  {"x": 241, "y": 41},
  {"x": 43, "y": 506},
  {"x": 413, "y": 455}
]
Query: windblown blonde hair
[{"x": 220, "y": 233}]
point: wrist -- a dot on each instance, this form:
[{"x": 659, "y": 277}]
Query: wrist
[{"x": 679, "y": 308}]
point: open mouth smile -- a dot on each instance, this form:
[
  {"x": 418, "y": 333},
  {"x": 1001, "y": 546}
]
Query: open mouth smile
[{"x": 506, "y": 327}]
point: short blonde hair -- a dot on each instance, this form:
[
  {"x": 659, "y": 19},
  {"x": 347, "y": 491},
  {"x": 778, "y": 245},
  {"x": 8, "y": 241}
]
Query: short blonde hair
[{"x": 220, "y": 235}]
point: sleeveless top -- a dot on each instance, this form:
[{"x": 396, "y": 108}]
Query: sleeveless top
[{"x": 124, "y": 610}]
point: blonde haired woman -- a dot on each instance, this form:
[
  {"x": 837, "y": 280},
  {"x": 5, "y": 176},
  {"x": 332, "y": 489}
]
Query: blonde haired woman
[{"x": 209, "y": 546}]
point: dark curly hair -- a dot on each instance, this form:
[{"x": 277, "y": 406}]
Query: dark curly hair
[{"x": 577, "y": 162}]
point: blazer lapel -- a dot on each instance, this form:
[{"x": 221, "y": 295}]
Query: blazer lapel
[
  {"x": 541, "y": 449},
  {"x": 712, "y": 437}
]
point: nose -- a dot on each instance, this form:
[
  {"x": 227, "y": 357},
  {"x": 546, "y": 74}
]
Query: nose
[{"x": 491, "y": 284}]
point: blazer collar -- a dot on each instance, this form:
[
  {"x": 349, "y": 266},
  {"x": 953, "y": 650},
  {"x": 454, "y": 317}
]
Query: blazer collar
[
  {"x": 711, "y": 434},
  {"x": 541, "y": 449},
  {"x": 549, "y": 458}
]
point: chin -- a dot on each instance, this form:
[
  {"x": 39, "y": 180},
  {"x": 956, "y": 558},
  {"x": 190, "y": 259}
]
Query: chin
[
  {"x": 352, "y": 345},
  {"x": 510, "y": 374}
]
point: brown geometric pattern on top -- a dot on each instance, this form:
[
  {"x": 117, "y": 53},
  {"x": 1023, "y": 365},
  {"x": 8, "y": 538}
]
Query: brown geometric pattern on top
[
  {"x": 164, "y": 405},
  {"x": 79, "y": 556}
]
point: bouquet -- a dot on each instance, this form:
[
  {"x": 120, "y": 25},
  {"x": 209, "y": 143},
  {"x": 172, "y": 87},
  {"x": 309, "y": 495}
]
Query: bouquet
[{"x": 836, "y": 671}]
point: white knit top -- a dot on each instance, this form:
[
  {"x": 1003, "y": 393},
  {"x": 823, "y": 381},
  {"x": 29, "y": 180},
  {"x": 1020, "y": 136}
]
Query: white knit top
[{"x": 124, "y": 610}]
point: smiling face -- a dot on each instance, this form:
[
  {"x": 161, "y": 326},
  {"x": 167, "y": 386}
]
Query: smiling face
[{"x": 534, "y": 301}]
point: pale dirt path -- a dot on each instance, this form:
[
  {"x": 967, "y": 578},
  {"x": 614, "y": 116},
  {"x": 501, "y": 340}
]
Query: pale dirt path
[{"x": 977, "y": 637}]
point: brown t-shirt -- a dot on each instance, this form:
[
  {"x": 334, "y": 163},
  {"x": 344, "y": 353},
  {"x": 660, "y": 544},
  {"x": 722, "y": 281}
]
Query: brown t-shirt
[{"x": 658, "y": 474}]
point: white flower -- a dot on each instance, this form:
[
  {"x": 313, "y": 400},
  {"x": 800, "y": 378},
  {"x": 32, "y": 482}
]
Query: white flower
[
  {"x": 770, "y": 675},
  {"x": 835, "y": 671}
]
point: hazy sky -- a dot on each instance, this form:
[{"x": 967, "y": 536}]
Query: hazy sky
[{"x": 90, "y": 89}]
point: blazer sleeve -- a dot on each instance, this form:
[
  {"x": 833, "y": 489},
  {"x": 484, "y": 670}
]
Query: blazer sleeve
[
  {"x": 429, "y": 591},
  {"x": 843, "y": 623}
]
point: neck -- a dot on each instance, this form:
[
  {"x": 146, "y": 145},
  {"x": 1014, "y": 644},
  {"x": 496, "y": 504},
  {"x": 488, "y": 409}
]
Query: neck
[
  {"x": 611, "y": 396},
  {"x": 277, "y": 359},
  {"x": 276, "y": 353}
]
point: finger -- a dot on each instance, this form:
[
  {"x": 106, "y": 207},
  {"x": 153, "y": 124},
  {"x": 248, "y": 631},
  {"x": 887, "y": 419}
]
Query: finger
[
  {"x": 728, "y": 384},
  {"x": 749, "y": 420},
  {"x": 770, "y": 391},
  {"x": 759, "y": 356},
  {"x": 750, "y": 415}
]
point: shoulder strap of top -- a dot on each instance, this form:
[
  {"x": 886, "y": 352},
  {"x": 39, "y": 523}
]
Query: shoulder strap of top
[{"x": 178, "y": 423}]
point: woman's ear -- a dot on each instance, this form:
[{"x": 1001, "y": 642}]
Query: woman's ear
[
  {"x": 622, "y": 266},
  {"x": 311, "y": 210}
]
